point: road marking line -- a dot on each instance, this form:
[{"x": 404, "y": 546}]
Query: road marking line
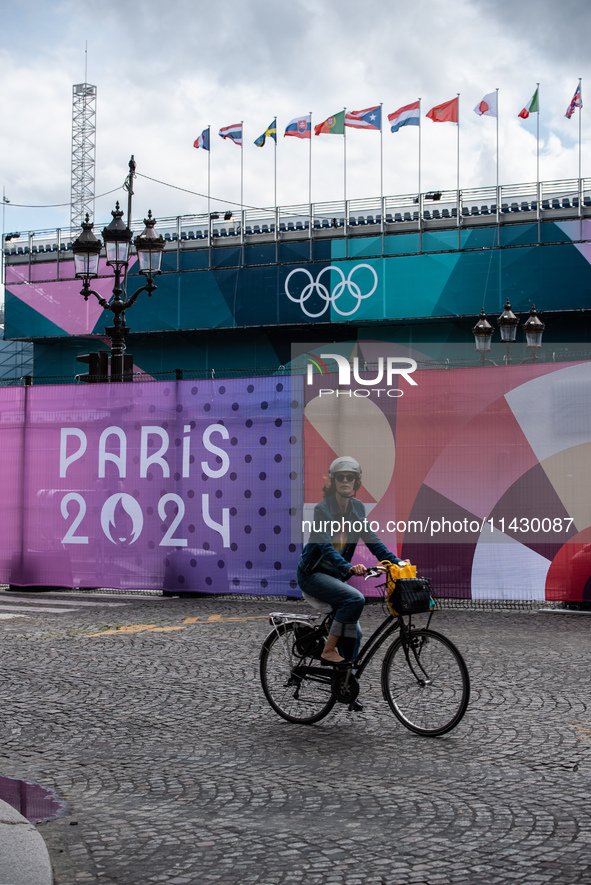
[
  {"x": 39, "y": 611},
  {"x": 152, "y": 628},
  {"x": 49, "y": 601}
]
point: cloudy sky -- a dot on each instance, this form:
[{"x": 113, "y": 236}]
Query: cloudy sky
[{"x": 164, "y": 71}]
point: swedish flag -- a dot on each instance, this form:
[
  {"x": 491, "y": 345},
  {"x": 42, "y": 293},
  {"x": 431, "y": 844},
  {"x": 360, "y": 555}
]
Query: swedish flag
[{"x": 270, "y": 132}]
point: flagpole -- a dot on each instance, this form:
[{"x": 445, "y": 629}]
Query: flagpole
[
  {"x": 538, "y": 140},
  {"x": 209, "y": 182},
  {"x": 580, "y": 112},
  {"x": 310, "y": 166},
  {"x": 458, "y": 163},
  {"x": 345, "y": 168},
  {"x": 242, "y": 164},
  {"x": 419, "y": 194},
  {"x": 497, "y": 91},
  {"x": 275, "y": 167},
  {"x": 420, "y": 202},
  {"x": 381, "y": 160}
]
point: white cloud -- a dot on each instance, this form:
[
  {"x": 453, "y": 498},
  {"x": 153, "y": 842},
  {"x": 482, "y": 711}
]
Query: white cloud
[{"x": 164, "y": 72}]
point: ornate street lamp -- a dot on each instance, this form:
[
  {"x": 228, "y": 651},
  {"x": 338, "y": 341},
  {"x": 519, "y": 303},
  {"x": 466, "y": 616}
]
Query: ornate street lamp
[
  {"x": 533, "y": 328},
  {"x": 87, "y": 250},
  {"x": 482, "y": 332},
  {"x": 507, "y": 323},
  {"x": 149, "y": 248},
  {"x": 117, "y": 237}
]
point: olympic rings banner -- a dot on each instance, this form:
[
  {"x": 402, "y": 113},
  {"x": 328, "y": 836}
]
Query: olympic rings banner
[
  {"x": 480, "y": 476},
  {"x": 330, "y": 290}
]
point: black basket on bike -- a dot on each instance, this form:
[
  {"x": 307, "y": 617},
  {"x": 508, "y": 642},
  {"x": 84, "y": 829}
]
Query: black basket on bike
[
  {"x": 409, "y": 596},
  {"x": 309, "y": 639}
]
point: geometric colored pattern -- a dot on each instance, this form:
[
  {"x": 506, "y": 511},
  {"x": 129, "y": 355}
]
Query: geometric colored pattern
[
  {"x": 490, "y": 490},
  {"x": 357, "y": 279},
  {"x": 480, "y": 476}
]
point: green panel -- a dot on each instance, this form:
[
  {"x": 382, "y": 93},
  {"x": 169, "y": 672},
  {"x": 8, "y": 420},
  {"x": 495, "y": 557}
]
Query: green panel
[
  {"x": 440, "y": 241},
  {"x": 552, "y": 277},
  {"x": 554, "y": 233},
  {"x": 194, "y": 259},
  {"x": 22, "y": 321},
  {"x": 296, "y": 251},
  {"x": 474, "y": 283},
  {"x": 519, "y": 234},
  {"x": 260, "y": 254},
  {"x": 402, "y": 244},
  {"x": 360, "y": 247},
  {"x": 224, "y": 257},
  {"x": 479, "y": 237}
]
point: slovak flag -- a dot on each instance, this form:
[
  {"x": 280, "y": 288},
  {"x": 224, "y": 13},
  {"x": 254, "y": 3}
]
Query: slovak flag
[
  {"x": 300, "y": 127},
  {"x": 203, "y": 140},
  {"x": 577, "y": 102},
  {"x": 488, "y": 107},
  {"x": 406, "y": 116},
  {"x": 370, "y": 118},
  {"x": 234, "y": 133}
]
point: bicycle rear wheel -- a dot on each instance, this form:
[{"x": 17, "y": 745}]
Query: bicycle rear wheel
[
  {"x": 295, "y": 695},
  {"x": 432, "y": 699}
]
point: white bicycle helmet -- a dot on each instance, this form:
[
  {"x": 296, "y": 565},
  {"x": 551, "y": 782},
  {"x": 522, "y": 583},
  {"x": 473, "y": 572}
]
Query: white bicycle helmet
[{"x": 344, "y": 464}]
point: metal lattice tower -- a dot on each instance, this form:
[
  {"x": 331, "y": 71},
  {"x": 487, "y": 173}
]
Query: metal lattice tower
[{"x": 83, "y": 152}]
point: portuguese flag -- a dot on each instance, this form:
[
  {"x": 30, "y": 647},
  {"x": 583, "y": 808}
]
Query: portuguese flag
[{"x": 334, "y": 125}]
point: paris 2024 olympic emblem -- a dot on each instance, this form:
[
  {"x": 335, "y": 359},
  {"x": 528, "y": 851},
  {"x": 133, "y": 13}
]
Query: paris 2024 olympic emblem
[{"x": 328, "y": 293}]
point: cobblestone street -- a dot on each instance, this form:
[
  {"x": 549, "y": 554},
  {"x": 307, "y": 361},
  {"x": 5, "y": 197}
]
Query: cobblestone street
[{"x": 174, "y": 769}]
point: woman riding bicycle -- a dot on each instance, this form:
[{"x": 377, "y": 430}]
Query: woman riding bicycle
[{"x": 325, "y": 564}]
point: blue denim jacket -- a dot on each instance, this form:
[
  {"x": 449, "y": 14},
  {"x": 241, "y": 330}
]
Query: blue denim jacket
[{"x": 319, "y": 554}]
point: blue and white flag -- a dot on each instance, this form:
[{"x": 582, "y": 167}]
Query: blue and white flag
[
  {"x": 406, "y": 116},
  {"x": 233, "y": 132},
  {"x": 203, "y": 140}
]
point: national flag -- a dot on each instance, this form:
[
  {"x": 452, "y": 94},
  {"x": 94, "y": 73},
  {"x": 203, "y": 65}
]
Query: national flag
[
  {"x": 299, "y": 127},
  {"x": 234, "y": 133},
  {"x": 203, "y": 140},
  {"x": 444, "y": 113},
  {"x": 332, "y": 125},
  {"x": 406, "y": 116},
  {"x": 370, "y": 118},
  {"x": 488, "y": 106},
  {"x": 270, "y": 132},
  {"x": 577, "y": 102},
  {"x": 532, "y": 108}
]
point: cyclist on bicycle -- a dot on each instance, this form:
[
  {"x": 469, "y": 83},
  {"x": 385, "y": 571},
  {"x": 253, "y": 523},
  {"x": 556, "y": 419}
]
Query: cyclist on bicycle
[{"x": 326, "y": 561}]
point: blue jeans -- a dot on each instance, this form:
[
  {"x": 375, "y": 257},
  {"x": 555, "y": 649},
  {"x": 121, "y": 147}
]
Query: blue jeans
[{"x": 347, "y": 603}]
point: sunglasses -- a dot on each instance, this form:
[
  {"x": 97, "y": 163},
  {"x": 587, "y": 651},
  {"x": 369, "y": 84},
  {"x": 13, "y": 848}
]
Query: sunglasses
[{"x": 345, "y": 477}]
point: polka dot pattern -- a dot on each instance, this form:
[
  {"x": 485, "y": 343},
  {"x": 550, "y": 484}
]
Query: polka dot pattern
[{"x": 226, "y": 526}]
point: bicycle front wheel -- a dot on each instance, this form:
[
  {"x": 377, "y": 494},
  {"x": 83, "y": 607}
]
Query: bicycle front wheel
[
  {"x": 429, "y": 691},
  {"x": 296, "y": 695}
]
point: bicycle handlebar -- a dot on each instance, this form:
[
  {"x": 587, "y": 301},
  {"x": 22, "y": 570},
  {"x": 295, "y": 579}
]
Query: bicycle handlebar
[{"x": 375, "y": 571}]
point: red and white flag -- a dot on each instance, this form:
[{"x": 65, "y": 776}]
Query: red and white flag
[
  {"x": 488, "y": 106},
  {"x": 234, "y": 133}
]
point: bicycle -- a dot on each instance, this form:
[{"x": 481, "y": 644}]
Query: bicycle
[{"x": 424, "y": 677}]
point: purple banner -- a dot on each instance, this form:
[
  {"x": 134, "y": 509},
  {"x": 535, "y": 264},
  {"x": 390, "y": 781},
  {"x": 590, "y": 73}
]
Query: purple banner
[{"x": 183, "y": 486}]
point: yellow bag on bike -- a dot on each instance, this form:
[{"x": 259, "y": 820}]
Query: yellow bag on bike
[{"x": 405, "y": 593}]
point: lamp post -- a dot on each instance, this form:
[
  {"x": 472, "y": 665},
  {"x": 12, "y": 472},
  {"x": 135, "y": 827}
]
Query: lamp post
[
  {"x": 533, "y": 328},
  {"x": 482, "y": 332},
  {"x": 117, "y": 238},
  {"x": 507, "y": 323}
]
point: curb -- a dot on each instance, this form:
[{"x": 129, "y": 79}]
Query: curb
[{"x": 24, "y": 859}]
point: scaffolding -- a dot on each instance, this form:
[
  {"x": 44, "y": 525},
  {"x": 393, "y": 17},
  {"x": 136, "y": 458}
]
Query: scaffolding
[{"x": 83, "y": 152}]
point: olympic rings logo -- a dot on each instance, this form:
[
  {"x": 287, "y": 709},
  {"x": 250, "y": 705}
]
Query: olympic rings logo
[{"x": 327, "y": 295}]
